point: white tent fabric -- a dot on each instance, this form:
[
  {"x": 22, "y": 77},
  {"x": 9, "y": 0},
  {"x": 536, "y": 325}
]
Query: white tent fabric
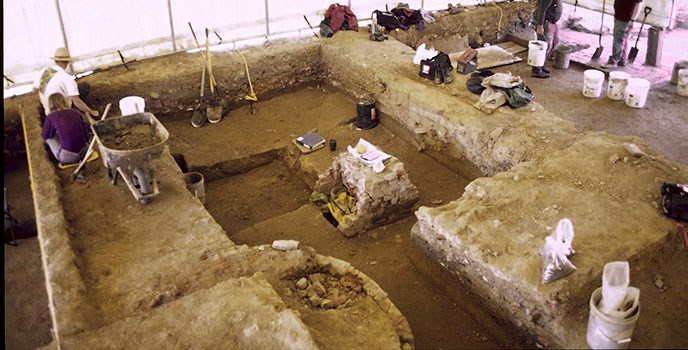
[{"x": 94, "y": 31}]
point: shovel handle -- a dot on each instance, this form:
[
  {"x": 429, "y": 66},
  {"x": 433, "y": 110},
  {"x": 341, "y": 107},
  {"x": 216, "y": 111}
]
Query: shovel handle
[
  {"x": 646, "y": 11},
  {"x": 210, "y": 73},
  {"x": 90, "y": 146}
]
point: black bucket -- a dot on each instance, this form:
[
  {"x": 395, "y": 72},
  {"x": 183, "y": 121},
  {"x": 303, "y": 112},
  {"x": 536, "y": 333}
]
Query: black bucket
[{"x": 366, "y": 116}]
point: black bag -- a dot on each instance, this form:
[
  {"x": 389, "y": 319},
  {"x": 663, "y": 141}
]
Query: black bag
[
  {"x": 675, "y": 201},
  {"x": 518, "y": 96},
  {"x": 427, "y": 69},
  {"x": 386, "y": 20}
]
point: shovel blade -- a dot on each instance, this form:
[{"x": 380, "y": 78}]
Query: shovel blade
[
  {"x": 214, "y": 114},
  {"x": 632, "y": 54},
  {"x": 598, "y": 53},
  {"x": 198, "y": 118}
]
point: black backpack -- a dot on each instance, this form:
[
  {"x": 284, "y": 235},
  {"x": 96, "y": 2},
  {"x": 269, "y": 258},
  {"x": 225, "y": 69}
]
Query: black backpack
[
  {"x": 386, "y": 20},
  {"x": 675, "y": 201}
]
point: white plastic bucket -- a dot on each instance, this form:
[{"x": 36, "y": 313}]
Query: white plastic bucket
[
  {"x": 593, "y": 80},
  {"x": 636, "y": 92},
  {"x": 616, "y": 90},
  {"x": 682, "y": 87},
  {"x": 132, "y": 105},
  {"x": 612, "y": 331},
  {"x": 537, "y": 52}
]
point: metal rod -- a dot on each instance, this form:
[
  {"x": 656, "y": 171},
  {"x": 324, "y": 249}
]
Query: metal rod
[
  {"x": 267, "y": 20},
  {"x": 62, "y": 28},
  {"x": 169, "y": 10}
]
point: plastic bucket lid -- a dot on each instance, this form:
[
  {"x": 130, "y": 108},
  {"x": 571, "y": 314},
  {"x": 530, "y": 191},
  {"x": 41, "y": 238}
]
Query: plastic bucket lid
[
  {"x": 619, "y": 75},
  {"x": 593, "y": 75},
  {"x": 638, "y": 83}
]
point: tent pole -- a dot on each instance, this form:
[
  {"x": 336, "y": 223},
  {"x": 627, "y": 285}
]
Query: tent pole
[
  {"x": 169, "y": 10},
  {"x": 267, "y": 20},
  {"x": 62, "y": 28}
]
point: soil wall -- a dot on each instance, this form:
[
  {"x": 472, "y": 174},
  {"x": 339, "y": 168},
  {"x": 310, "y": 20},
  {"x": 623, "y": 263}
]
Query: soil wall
[{"x": 476, "y": 25}]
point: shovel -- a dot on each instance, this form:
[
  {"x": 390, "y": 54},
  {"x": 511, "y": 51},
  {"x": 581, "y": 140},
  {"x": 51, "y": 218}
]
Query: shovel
[
  {"x": 598, "y": 51},
  {"x": 77, "y": 171},
  {"x": 199, "y": 115},
  {"x": 214, "y": 111},
  {"x": 634, "y": 50}
]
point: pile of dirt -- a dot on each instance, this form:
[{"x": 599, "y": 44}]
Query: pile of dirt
[
  {"x": 136, "y": 137},
  {"x": 322, "y": 290}
]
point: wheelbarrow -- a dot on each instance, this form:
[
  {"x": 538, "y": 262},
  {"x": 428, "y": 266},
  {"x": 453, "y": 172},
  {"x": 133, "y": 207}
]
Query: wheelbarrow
[{"x": 128, "y": 146}]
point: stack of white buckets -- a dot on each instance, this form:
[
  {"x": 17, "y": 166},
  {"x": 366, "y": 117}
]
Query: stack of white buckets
[
  {"x": 621, "y": 87},
  {"x": 682, "y": 87}
]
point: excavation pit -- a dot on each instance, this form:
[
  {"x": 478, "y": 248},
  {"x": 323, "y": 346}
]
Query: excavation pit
[{"x": 105, "y": 275}]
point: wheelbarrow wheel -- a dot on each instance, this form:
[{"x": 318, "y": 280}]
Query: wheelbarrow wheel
[{"x": 143, "y": 181}]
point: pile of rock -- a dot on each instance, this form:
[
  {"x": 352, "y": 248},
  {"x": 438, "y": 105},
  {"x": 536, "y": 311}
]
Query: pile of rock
[
  {"x": 321, "y": 290},
  {"x": 381, "y": 198}
]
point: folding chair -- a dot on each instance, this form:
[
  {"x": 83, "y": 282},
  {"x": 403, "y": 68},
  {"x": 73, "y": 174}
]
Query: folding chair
[{"x": 12, "y": 220}]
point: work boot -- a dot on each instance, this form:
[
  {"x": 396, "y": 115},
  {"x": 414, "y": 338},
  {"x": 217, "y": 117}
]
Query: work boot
[
  {"x": 545, "y": 70},
  {"x": 438, "y": 75},
  {"x": 537, "y": 72},
  {"x": 446, "y": 73},
  {"x": 611, "y": 63}
]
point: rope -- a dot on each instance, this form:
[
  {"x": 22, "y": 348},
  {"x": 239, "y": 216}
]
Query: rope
[
  {"x": 501, "y": 14},
  {"x": 252, "y": 96}
]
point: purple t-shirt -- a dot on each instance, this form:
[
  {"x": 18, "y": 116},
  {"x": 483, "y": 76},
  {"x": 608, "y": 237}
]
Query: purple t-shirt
[
  {"x": 623, "y": 9},
  {"x": 69, "y": 128}
]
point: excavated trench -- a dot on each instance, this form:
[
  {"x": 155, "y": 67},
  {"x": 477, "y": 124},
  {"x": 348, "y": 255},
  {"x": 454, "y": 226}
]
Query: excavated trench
[
  {"x": 248, "y": 159},
  {"x": 261, "y": 197}
]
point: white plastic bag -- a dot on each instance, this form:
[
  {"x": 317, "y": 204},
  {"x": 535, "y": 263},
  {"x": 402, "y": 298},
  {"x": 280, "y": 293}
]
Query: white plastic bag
[
  {"x": 555, "y": 252},
  {"x": 422, "y": 53}
]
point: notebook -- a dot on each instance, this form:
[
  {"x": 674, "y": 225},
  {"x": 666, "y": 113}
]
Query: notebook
[{"x": 310, "y": 140}]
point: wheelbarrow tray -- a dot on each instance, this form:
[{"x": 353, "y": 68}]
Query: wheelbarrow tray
[
  {"x": 139, "y": 124},
  {"x": 128, "y": 144}
]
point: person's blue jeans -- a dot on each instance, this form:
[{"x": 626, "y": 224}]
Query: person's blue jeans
[
  {"x": 620, "y": 46},
  {"x": 550, "y": 34},
  {"x": 62, "y": 155}
]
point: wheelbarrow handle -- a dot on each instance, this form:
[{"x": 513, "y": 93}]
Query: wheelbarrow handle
[{"x": 90, "y": 146}]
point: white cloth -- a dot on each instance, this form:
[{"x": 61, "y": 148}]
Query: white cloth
[
  {"x": 371, "y": 155},
  {"x": 504, "y": 80},
  {"x": 422, "y": 53},
  {"x": 52, "y": 80}
]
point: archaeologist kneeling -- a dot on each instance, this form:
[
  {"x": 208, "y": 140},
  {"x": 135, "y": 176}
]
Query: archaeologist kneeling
[{"x": 64, "y": 131}]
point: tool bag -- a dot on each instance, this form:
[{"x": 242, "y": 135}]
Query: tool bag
[
  {"x": 430, "y": 67},
  {"x": 675, "y": 201},
  {"x": 427, "y": 69}
]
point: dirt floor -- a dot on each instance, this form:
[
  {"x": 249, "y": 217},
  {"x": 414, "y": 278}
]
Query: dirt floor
[{"x": 273, "y": 198}]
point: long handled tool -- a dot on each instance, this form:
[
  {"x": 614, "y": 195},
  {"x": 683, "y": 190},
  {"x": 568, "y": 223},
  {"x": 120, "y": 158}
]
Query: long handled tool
[
  {"x": 598, "y": 50},
  {"x": 214, "y": 111},
  {"x": 205, "y": 62},
  {"x": 199, "y": 117},
  {"x": 634, "y": 50},
  {"x": 122, "y": 58},
  {"x": 90, "y": 147},
  {"x": 309, "y": 24}
]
